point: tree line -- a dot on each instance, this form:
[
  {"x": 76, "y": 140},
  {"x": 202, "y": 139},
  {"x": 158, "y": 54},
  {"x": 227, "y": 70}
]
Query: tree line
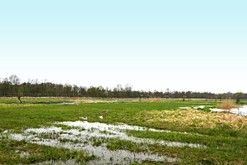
[{"x": 12, "y": 87}]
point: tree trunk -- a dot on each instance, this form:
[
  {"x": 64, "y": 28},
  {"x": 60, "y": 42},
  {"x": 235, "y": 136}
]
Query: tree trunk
[{"x": 19, "y": 98}]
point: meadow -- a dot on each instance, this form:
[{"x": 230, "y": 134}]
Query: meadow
[{"x": 175, "y": 130}]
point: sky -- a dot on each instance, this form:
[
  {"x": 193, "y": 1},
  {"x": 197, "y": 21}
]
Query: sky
[{"x": 152, "y": 45}]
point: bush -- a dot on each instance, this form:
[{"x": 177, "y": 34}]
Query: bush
[{"x": 227, "y": 104}]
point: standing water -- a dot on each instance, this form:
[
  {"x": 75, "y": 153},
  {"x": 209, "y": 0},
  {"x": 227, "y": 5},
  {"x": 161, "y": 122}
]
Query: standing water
[
  {"x": 94, "y": 138},
  {"x": 240, "y": 110}
]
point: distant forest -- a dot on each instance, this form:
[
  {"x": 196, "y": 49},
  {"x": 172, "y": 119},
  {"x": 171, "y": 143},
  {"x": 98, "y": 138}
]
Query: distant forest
[{"x": 11, "y": 87}]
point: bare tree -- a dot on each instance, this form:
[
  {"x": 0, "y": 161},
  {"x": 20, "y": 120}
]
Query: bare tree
[{"x": 14, "y": 80}]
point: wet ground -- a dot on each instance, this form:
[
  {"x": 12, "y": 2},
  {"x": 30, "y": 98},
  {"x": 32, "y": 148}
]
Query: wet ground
[{"x": 93, "y": 137}]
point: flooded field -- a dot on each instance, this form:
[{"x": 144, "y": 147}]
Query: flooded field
[
  {"x": 158, "y": 132},
  {"x": 94, "y": 137}
]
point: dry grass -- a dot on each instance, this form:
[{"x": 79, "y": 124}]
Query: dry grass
[
  {"x": 227, "y": 104},
  {"x": 153, "y": 99},
  {"x": 195, "y": 118},
  {"x": 78, "y": 100}
]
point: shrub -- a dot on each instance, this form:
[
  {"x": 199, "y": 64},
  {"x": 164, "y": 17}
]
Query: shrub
[{"x": 227, "y": 104}]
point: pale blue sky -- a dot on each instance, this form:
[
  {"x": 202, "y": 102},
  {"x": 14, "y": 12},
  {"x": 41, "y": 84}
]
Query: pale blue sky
[{"x": 159, "y": 44}]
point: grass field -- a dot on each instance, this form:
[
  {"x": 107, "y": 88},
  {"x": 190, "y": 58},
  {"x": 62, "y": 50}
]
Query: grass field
[{"x": 222, "y": 135}]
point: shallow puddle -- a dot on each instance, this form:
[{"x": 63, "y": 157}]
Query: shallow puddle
[
  {"x": 240, "y": 111},
  {"x": 102, "y": 130},
  {"x": 200, "y": 107},
  {"x": 67, "y": 103},
  {"x": 93, "y": 138}
]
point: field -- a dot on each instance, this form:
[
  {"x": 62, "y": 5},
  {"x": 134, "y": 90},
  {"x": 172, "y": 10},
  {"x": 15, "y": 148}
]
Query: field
[{"x": 147, "y": 131}]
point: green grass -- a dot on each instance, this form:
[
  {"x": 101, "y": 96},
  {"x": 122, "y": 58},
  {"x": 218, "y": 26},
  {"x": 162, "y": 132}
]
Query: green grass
[
  {"x": 214, "y": 144},
  {"x": 226, "y": 142},
  {"x": 21, "y": 116}
]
